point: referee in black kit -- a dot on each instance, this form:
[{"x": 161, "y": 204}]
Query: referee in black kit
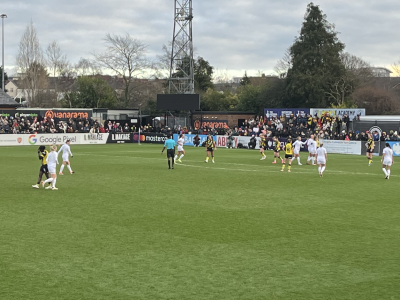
[{"x": 170, "y": 144}]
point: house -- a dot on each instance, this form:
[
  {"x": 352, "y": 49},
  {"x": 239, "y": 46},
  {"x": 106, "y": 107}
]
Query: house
[
  {"x": 6, "y": 102},
  {"x": 380, "y": 72},
  {"x": 55, "y": 88},
  {"x": 387, "y": 83},
  {"x": 11, "y": 88},
  {"x": 254, "y": 80}
]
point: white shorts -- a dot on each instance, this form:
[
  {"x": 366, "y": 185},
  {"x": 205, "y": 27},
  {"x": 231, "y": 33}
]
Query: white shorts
[
  {"x": 321, "y": 161},
  {"x": 65, "y": 157},
  {"x": 296, "y": 151},
  {"x": 387, "y": 162},
  {"x": 311, "y": 152},
  {"x": 180, "y": 148},
  {"x": 52, "y": 169}
]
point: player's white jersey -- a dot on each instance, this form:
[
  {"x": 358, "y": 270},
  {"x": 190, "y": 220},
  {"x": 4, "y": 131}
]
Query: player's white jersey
[
  {"x": 180, "y": 143},
  {"x": 66, "y": 150},
  {"x": 388, "y": 160},
  {"x": 297, "y": 145},
  {"x": 312, "y": 145},
  {"x": 52, "y": 159},
  {"x": 321, "y": 151}
]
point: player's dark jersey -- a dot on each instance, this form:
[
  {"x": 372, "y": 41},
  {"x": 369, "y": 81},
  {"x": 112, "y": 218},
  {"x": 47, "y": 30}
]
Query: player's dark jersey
[
  {"x": 289, "y": 149},
  {"x": 210, "y": 143},
  {"x": 263, "y": 142},
  {"x": 370, "y": 144},
  {"x": 277, "y": 146},
  {"x": 43, "y": 156}
]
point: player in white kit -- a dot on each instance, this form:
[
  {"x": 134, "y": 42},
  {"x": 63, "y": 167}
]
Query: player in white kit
[
  {"x": 52, "y": 162},
  {"x": 66, "y": 150},
  {"x": 322, "y": 157},
  {"x": 296, "y": 151},
  {"x": 387, "y": 160},
  {"x": 312, "y": 148},
  {"x": 181, "y": 151}
]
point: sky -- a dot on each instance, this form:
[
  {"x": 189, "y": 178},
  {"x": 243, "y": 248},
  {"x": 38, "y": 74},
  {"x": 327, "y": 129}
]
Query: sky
[{"x": 233, "y": 36}]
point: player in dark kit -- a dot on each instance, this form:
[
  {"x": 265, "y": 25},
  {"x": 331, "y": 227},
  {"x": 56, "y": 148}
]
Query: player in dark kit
[
  {"x": 288, "y": 155},
  {"x": 277, "y": 149},
  {"x": 263, "y": 146},
  {"x": 210, "y": 147},
  {"x": 42, "y": 153},
  {"x": 370, "y": 148}
]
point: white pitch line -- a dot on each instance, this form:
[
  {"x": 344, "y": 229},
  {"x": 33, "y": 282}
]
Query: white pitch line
[
  {"x": 278, "y": 171},
  {"x": 304, "y": 171}
]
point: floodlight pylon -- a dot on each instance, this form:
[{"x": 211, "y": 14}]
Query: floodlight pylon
[{"x": 181, "y": 78}]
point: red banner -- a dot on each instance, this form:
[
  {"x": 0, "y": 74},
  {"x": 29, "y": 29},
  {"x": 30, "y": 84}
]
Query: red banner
[{"x": 211, "y": 124}]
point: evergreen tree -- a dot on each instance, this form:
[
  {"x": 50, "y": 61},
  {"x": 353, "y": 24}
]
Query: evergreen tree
[
  {"x": 203, "y": 73},
  {"x": 91, "y": 92},
  {"x": 316, "y": 64},
  {"x": 213, "y": 100},
  {"x": 245, "y": 80}
]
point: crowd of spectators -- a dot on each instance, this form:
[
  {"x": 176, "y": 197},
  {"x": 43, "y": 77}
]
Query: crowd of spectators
[
  {"x": 326, "y": 127},
  {"x": 30, "y": 125}
]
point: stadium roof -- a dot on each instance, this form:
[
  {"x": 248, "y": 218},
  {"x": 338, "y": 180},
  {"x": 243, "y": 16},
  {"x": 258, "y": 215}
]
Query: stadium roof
[{"x": 6, "y": 100}]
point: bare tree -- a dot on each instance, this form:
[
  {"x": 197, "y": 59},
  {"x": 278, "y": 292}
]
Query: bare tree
[
  {"x": 163, "y": 63},
  {"x": 284, "y": 64},
  {"x": 222, "y": 76},
  {"x": 377, "y": 101},
  {"x": 87, "y": 67},
  {"x": 56, "y": 60},
  {"x": 30, "y": 61},
  {"x": 126, "y": 57},
  {"x": 358, "y": 73}
]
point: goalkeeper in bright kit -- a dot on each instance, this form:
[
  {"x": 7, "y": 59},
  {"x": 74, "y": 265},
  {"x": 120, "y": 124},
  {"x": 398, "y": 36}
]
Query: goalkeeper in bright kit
[{"x": 66, "y": 150}]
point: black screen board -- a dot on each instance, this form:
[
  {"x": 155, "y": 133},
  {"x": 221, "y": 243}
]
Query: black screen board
[{"x": 178, "y": 101}]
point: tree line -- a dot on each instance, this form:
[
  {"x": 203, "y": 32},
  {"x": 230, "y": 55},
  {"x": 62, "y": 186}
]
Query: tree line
[{"x": 315, "y": 71}]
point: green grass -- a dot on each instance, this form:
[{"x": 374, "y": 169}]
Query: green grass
[{"x": 126, "y": 227}]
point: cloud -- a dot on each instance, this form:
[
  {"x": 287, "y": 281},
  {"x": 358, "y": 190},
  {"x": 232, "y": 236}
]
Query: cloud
[{"x": 235, "y": 35}]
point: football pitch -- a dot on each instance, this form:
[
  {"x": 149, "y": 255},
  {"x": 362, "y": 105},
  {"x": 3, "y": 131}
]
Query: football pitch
[{"x": 125, "y": 227}]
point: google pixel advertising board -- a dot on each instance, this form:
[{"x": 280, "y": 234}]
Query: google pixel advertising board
[{"x": 178, "y": 101}]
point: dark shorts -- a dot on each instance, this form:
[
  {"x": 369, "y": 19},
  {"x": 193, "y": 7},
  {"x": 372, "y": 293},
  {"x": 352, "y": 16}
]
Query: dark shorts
[
  {"x": 44, "y": 169},
  {"x": 170, "y": 153},
  {"x": 370, "y": 151},
  {"x": 288, "y": 155},
  {"x": 210, "y": 149}
]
